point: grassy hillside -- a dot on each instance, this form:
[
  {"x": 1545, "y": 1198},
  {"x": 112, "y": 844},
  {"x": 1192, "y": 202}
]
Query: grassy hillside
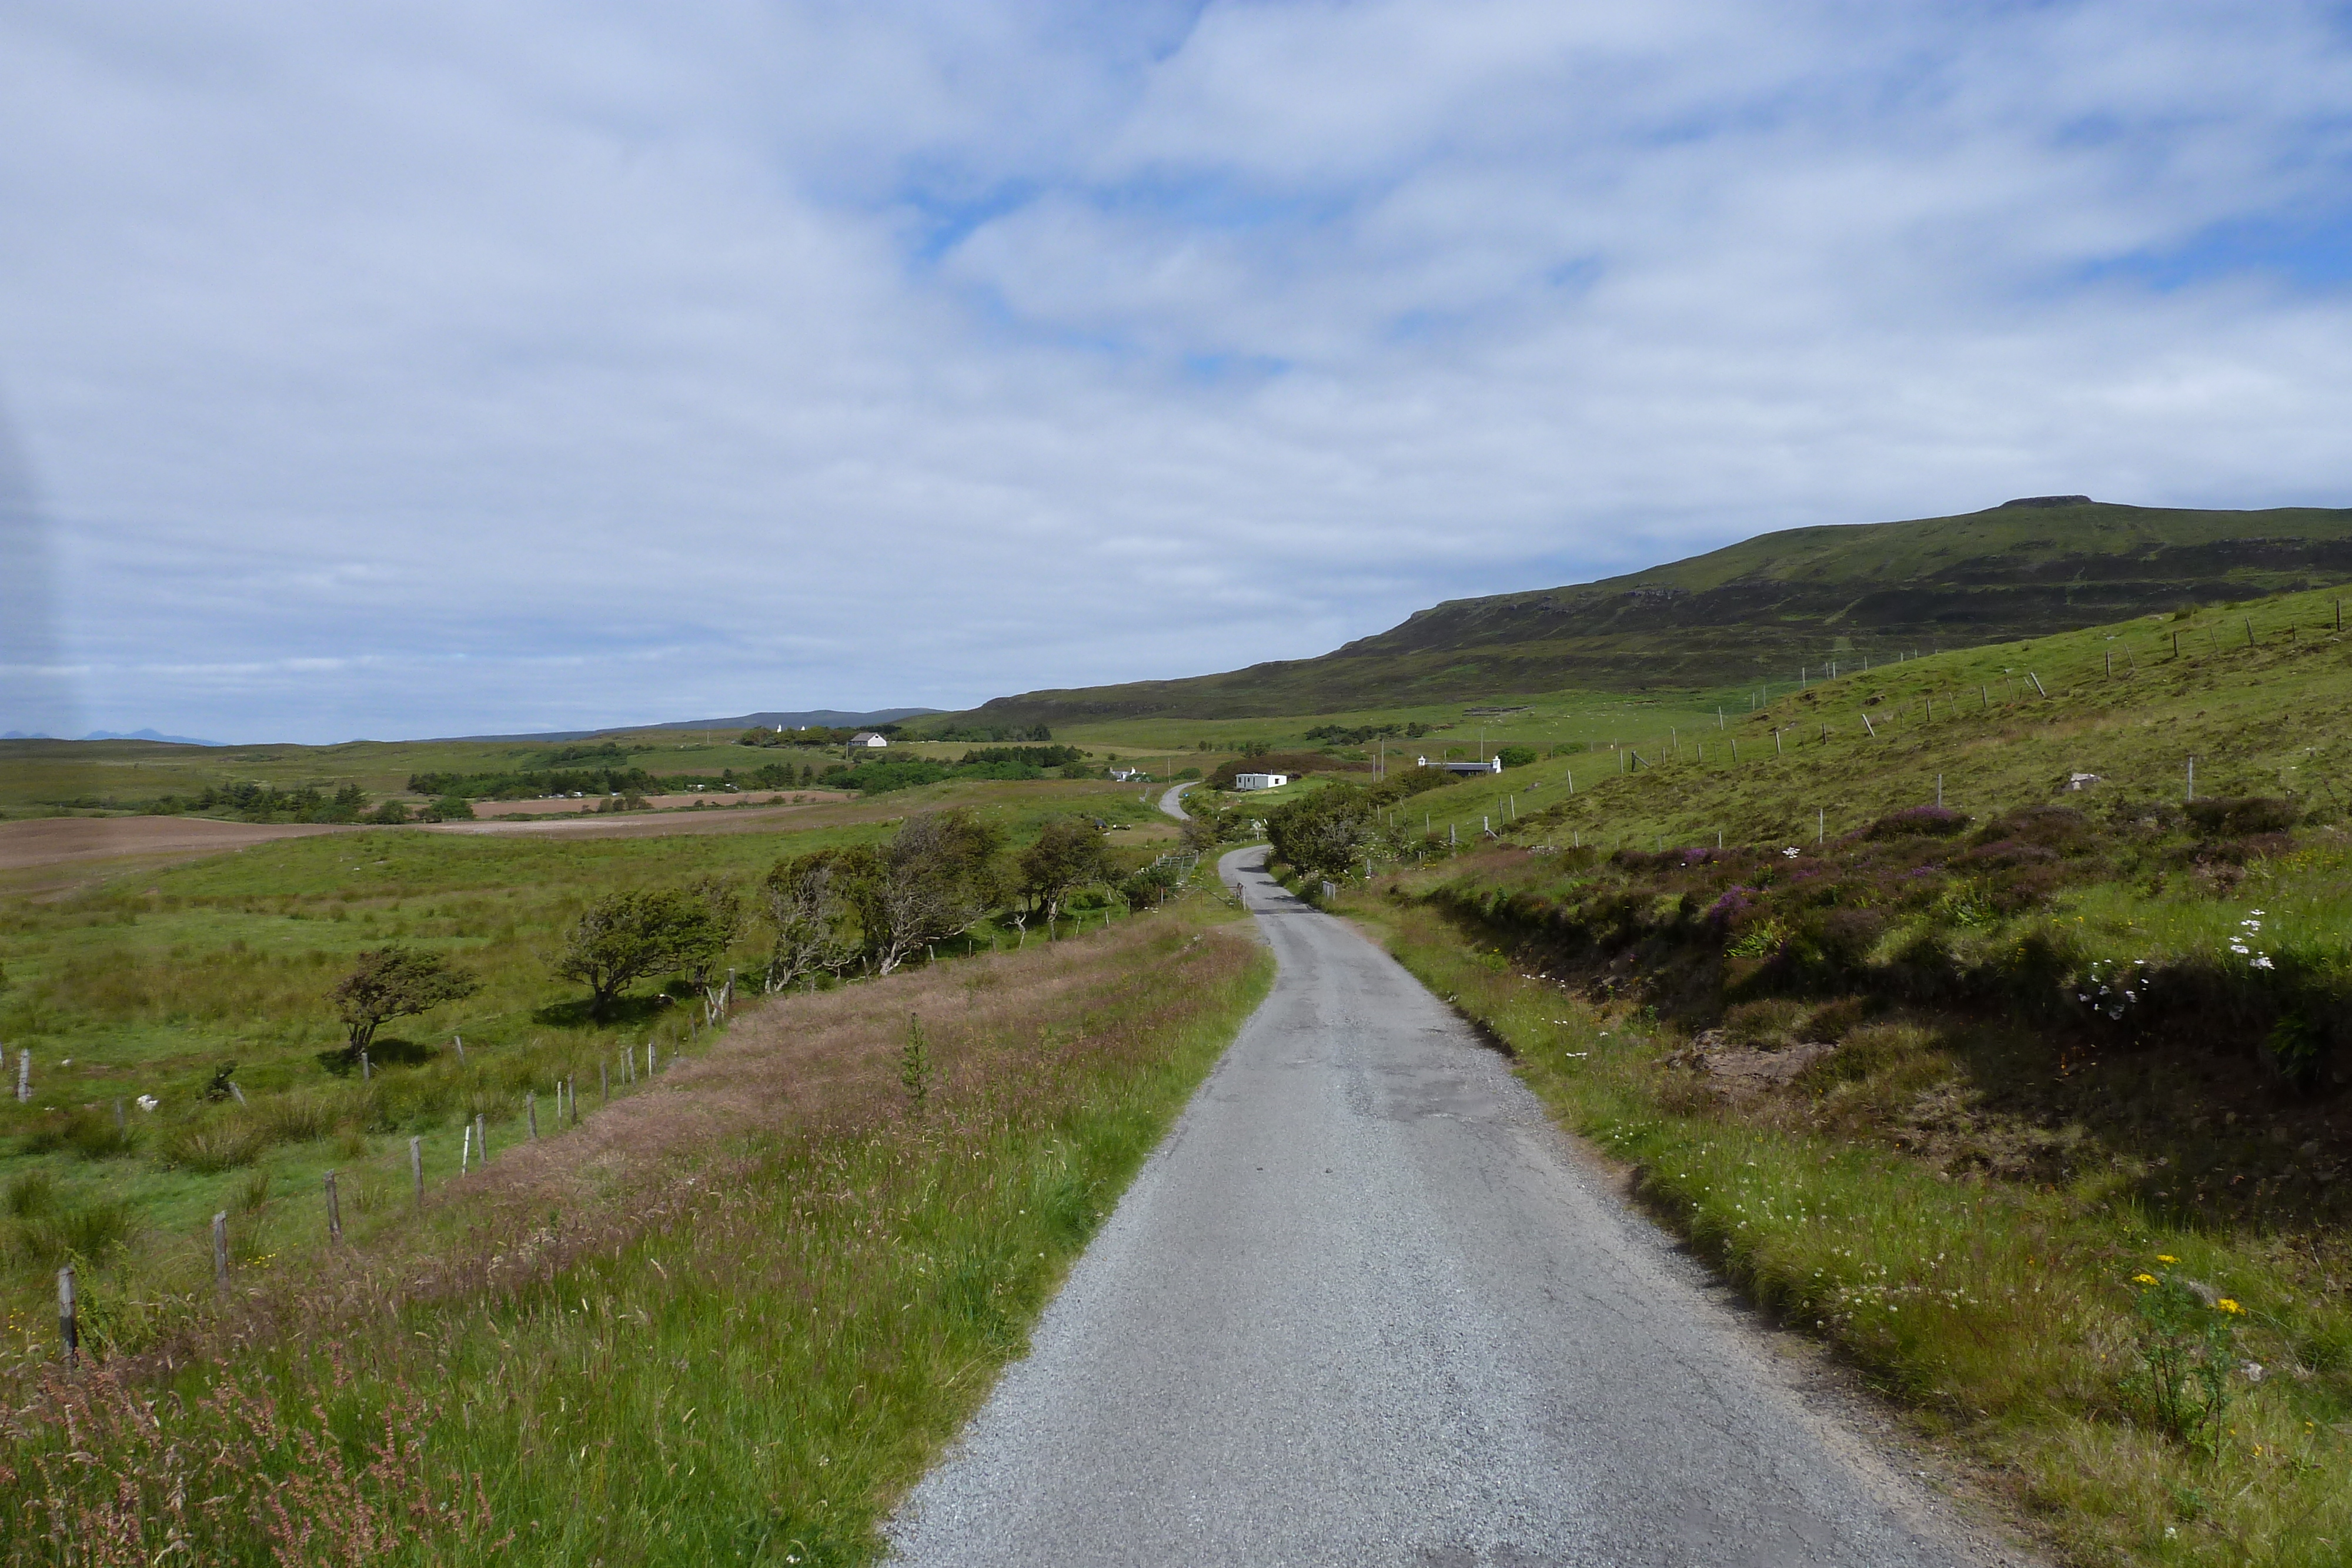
[{"x": 1759, "y": 610}]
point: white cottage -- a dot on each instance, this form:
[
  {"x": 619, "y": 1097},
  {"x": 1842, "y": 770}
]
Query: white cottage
[
  {"x": 1260, "y": 780},
  {"x": 867, "y": 738}
]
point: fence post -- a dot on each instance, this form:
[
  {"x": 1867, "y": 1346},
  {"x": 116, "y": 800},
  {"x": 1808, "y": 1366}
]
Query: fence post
[
  {"x": 416, "y": 1166},
  {"x": 603, "y": 1084},
  {"x": 69, "y": 1322},
  {"x": 481, "y": 1141},
  {"x": 366, "y": 1070},
  {"x": 461, "y": 1048},
  {"x": 2192, "y": 778},
  {"x": 121, "y": 1123},
  {"x": 24, "y": 1078},
  {"x": 220, "y": 1251},
  {"x": 530, "y": 1110},
  {"x": 334, "y": 1211}
]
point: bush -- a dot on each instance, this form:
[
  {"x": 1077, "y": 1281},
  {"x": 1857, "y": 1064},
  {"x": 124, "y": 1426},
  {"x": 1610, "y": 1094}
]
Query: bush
[
  {"x": 2244, "y": 814},
  {"x": 1919, "y": 821},
  {"x": 1516, "y": 755}
]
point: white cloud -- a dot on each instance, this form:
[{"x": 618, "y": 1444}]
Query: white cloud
[{"x": 456, "y": 370}]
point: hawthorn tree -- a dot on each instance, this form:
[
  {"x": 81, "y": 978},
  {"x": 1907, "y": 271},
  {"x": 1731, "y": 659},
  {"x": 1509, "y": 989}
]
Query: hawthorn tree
[
  {"x": 624, "y": 937},
  {"x": 808, "y": 903},
  {"x": 938, "y": 877},
  {"x": 396, "y": 982},
  {"x": 1067, "y": 855}
]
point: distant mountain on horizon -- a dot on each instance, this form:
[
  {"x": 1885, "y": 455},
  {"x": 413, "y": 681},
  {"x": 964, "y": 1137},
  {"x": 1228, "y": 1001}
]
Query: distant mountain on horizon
[
  {"x": 119, "y": 734},
  {"x": 830, "y": 719},
  {"x": 1766, "y": 607}
]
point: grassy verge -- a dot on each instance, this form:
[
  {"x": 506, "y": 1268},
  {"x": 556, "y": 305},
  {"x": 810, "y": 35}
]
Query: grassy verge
[
  {"x": 727, "y": 1320},
  {"x": 2011, "y": 1319}
]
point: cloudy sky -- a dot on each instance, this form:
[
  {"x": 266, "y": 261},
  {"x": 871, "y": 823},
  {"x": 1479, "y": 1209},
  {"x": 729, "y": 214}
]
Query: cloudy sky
[{"x": 438, "y": 368}]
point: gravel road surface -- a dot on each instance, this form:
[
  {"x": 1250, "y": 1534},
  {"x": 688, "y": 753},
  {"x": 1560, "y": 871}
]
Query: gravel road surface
[
  {"x": 1365, "y": 1306},
  {"x": 1173, "y": 803}
]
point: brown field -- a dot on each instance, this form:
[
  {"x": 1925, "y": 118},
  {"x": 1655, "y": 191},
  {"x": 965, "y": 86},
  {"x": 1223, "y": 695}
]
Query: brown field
[
  {"x": 46, "y": 841},
  {"x": 493, "y": 810}
]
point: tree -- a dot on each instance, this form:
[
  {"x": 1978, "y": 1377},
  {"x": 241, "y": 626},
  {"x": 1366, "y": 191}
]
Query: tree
[
  {"x": 1326, "y": 831},
  {"x": 624, "y": 937},
  {"x": 716, "y": 920},
  {"x": 935, "y": 879},
  {"x": 1068, "y": 855},
  {"x": 808, "y": 903},
  {"x": 396, "y": 982}
]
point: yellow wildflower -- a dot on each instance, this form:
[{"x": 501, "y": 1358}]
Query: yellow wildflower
[
  {"x": 2166, "y": 1257},
  {"x": 2227, "y": 1305},
  {"x": 2143, "y": 1279}
]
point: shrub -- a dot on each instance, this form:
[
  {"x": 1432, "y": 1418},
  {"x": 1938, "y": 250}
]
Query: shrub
[
  {"x": 1516, "y": 755},
  {"x": 2243, "y": 815},
  {"x": 1919, "y": 821}
]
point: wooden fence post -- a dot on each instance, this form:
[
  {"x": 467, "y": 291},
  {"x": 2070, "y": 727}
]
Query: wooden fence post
[
  {"x": 603, "y": 1084},
  {"x": 334, "y": 1211},
  {"x": 416, "y": 1166},
  {"x": 366, "y": 1070},
  {"x": 24, "y": 1078},
  {"x": 220, "y": 1251},
  {"x": 530, "y": 1110},
  {"x": 481, "y": 1140},
  {"x": 461, "y": 1048},
  {"x": 69, "y": 1322}
]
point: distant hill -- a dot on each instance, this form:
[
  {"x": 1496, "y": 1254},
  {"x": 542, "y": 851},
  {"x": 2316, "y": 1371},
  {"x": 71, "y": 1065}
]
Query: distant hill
[
  {"x": 1761, "y": 608},
  {"x": 830, "y": 717}
]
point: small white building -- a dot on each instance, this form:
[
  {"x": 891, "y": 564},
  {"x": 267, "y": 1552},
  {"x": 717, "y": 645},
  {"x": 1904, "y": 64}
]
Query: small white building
[
  {"x": 1491, "y": 765},
  {"x": 1128, "y": 775},
  {"x": 1260, "y": 780},
  {"x": 867, "y": 738}
]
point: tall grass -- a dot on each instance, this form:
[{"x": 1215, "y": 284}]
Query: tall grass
[{"x": 727, "y": 1320}]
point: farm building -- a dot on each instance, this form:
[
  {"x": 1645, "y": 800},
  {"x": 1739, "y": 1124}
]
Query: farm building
[
  {"x": 1260, "y": 780},
  {"x": 1491, "y": 765},
  {"x": 867, "y": 738}
]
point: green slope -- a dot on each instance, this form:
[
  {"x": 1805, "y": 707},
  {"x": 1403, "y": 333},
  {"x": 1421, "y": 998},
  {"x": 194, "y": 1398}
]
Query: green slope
[{"x": 1762, "y": 608}]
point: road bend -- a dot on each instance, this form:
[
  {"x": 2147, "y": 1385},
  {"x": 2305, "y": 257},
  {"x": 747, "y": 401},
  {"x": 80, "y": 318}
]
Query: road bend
[
  {"x": 1173, "y": 803},
  {"x": 1365, "y": 1306}
]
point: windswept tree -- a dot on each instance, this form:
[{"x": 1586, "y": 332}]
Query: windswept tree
[
  {"x": 815, "y": 922},
  {"x": 1069, "y": 854},
  {"x": 624, "y": 937},
  {"x": 718, "y": 918},
  {"x": 938, "y": 877},
  {"x": 1326, "y": 831},
  {"x": 396, "y": 982}
]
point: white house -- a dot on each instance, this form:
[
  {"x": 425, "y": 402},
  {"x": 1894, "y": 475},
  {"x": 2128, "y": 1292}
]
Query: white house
[
  {"x": 867, "y": 738},
  {"x": 1260, "y": 780},
  {"x": 1128, "y": 775},
  {"x": 1491, "y": 765}
]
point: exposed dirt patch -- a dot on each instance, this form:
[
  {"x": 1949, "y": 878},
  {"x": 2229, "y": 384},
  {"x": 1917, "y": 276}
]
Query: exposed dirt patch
[
  {"x": 493, "y": 810},
  {"x": 52, "y": 841}
]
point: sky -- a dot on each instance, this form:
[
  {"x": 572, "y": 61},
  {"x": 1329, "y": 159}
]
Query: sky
[{"x": 451, "y": 368}]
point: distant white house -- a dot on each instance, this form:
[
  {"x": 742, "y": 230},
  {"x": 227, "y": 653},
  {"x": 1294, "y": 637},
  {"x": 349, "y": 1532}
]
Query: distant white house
[
  {"x": 867, "y": 738},
  {"x": 1260, "y": 780},
  {"x": 1128, "y": 775},
  {"x": 1491, "y": 765}
]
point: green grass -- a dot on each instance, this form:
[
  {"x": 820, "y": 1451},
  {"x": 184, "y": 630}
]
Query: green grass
[
  {"x": 727, "y": 1321},
  {"x": 150, "y": 984},
  {"x": 1761, "y": 609}
]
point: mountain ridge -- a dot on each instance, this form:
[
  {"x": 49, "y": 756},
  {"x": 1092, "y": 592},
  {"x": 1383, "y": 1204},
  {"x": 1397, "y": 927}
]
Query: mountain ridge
[{"x": 1761, "y": 608}]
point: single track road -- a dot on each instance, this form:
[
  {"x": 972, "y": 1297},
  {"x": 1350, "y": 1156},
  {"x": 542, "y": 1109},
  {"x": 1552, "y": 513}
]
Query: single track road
[{"x": 1366, "y": 1306}]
